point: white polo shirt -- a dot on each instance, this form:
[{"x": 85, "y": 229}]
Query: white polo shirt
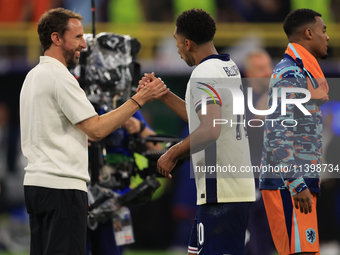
[{"x": 51, "y": 103}]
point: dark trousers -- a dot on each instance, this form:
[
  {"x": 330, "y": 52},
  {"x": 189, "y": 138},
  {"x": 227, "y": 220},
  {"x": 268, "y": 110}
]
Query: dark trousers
[{"x": 58, "y": 220}]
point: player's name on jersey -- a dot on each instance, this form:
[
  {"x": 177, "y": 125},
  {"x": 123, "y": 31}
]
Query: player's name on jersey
[{"x": 231, "y": 71}]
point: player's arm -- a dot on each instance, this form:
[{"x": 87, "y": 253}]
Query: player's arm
[
  {"x": 98, "y": 127},
  {"x": 198, "y": 140},
  {"x": 175, "y": 103}
]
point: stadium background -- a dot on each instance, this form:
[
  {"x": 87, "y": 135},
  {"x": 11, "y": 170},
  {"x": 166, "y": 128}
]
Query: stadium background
[{"x": 162, "y": 226}]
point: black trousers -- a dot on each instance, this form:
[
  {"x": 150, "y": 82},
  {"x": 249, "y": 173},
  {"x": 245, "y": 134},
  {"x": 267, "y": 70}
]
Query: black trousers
[{"x": 58, "y": 220}]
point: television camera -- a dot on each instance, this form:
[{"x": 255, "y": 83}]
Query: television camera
[{"x": 107, "y": 72}]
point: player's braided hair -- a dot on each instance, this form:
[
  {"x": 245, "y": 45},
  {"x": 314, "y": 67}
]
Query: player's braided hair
[
  {"x": 196, "y": 25},
  {"x": 54, "y": 20},
  {"x": 298, "y": 18}
]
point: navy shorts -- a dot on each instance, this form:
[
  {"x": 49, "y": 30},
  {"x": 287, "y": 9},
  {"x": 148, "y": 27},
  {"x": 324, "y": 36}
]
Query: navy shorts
[{"x": 219, "y": 229}]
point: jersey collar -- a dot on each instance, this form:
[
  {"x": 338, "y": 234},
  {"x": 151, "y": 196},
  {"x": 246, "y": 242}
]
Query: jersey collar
[{"x": 223, "y": 57}]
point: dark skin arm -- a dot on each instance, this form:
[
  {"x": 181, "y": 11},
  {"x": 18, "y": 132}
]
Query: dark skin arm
[
  {"x": 198, "y": 140},
  {"x": 175, "y": 103}
]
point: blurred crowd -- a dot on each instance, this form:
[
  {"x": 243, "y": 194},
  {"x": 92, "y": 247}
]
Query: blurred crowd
[{"x": 135, "y": 11}]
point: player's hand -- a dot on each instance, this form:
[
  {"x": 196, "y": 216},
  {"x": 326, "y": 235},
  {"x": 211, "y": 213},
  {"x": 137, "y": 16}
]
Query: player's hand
[
  {"x": 153, "y": 90},
  {"x": 132, "y": 125},
  {"x": 165, "y": 164},
  {"x": 145, "y": 80},
  {"x": 304, "y": 201},
  {"x": 150, "y": 76},
  {"x": 142, "y": 82}
]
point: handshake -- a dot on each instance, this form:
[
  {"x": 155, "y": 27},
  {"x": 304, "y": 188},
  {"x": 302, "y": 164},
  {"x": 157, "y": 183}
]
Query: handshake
[{"x": 150, "y": 89}]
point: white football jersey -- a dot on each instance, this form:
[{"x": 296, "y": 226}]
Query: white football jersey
[{"x": 222, "y": 169}]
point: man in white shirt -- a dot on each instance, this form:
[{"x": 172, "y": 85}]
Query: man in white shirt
[{"x": 56, "y": 120}]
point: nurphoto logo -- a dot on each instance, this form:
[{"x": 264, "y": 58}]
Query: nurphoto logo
[{"x": 239, "y": 103}]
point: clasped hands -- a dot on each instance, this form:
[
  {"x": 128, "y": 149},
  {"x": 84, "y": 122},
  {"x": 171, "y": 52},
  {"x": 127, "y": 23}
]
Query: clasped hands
[{"x": 151, "y": 88}]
